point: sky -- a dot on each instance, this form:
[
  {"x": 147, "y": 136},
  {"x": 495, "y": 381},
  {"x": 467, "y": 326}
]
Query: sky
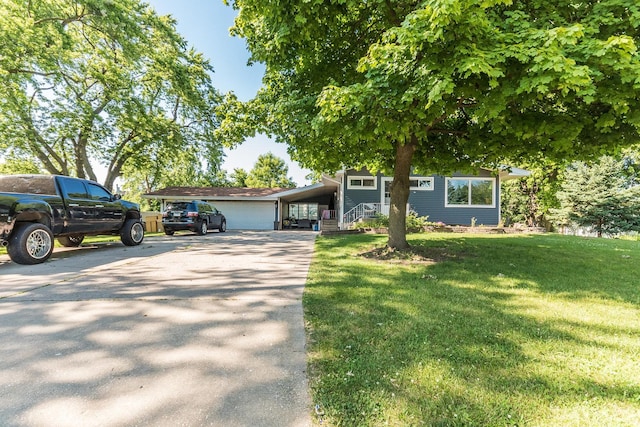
[{"x": 205, "y": 25}]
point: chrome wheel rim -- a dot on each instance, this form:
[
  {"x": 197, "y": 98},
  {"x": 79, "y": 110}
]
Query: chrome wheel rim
[
  {"x": 39, "y": 244},
  {"x": 137, "y": 232}
]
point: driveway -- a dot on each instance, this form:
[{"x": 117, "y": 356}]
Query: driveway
[{"x": 179, "y": 331}]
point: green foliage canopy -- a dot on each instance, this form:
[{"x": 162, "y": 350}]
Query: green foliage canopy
[
  {"x": 269, "y": 171},
  {"x": 443, "y": 85},
  {"x": 102, "y": 80}
]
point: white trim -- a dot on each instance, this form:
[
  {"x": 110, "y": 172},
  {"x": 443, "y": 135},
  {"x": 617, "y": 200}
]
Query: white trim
[
  {"x": 298, "y": 190},
  {"x": 469, "y": 205},
  {"x": 362, "y": 178},
  {"x": 384, "y": 207}
]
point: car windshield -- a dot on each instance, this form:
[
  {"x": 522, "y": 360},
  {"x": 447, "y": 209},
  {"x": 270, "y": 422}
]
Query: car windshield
[{"x": 178, "y": 206}]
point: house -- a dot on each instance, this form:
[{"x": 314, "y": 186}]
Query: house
[{"x": 338, "y": 201}]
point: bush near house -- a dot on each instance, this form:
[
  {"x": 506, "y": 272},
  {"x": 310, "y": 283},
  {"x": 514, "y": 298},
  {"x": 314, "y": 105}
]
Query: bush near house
[
  {"x": 413, "y": 222},
  {"x": 485, "y": 330}
]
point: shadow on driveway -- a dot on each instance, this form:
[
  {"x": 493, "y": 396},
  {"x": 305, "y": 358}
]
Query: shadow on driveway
[{"x": 182, "y": 330}]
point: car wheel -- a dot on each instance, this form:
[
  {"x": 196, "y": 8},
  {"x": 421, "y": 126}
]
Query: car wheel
[
  {"x": 71, "y": 241},
  {"x": 203, "y": 228},
  {"x": 223, "y": 226},
  {"x": 168, "y": 232},
  {"x": 30, "y": 244},
  {"x": 132, "y": 233}
]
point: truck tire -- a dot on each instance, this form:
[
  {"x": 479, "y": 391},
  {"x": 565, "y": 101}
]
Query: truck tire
[
  {"x": 132, "y": 232},
  {"x": 71, "y": 241},
  {"x": 30, "y": 243}
]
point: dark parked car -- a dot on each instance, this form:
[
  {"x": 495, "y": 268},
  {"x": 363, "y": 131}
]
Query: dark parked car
[{"x": 195, "y": 216}]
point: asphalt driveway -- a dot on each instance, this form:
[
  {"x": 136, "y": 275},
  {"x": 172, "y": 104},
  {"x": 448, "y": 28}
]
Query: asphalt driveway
[{"x": 179, "y": 331}]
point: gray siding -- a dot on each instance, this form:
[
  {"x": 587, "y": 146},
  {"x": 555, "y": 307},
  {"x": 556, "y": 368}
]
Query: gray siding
[{"x": 431, "y": 203}]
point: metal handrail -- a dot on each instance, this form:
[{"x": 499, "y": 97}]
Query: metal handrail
[{"x": 363, "y": 210}]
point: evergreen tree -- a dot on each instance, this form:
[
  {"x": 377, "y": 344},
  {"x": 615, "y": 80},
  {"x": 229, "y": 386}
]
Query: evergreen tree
[{"x": 602, "y": 195}]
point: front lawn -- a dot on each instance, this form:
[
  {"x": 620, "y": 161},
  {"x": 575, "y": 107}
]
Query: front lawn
[{"x": 484, "y": 330}]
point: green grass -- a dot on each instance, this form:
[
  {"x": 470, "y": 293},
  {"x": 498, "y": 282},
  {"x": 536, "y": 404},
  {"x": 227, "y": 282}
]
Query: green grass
[{"x": 539, "y": 330}]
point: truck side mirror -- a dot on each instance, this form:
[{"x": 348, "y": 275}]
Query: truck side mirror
[{"x": 117, "y": 197}]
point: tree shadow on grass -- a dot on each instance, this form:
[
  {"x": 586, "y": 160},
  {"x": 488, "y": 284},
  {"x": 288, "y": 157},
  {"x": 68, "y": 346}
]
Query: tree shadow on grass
[{"x": 455, "y": 342}]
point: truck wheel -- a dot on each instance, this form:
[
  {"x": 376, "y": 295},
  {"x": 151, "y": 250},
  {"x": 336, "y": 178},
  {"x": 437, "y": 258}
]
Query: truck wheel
[
  {"x": 223, "y": 226},
  {"x": 168, "y": 232},
  {"x": 202, "y": 229},
  {"x": 132, "y": 232},
  {"x": 71, "y": 241},
  {"x": 30, "y": 244}
]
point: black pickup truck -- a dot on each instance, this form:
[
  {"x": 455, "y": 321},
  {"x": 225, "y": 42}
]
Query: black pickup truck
[{"x": 36, "y": 208}]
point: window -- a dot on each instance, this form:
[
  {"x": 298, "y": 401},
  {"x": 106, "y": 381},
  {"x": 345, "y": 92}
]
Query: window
[
  {"x": 362, "y": 183},
  {"x": 303, "y": 211},
  {"x": 423, "y": 184},
  {"x": 470, "y": 192},
  {"x": 75, "y": 188},
  {"x": 98, "y": 193}
]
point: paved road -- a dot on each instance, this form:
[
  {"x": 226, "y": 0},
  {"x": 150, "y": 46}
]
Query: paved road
[{"x": 179, "y": 331}]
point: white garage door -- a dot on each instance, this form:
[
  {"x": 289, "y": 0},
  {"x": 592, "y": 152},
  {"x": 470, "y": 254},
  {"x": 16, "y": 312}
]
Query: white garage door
[{"x": 248, "y": 215}]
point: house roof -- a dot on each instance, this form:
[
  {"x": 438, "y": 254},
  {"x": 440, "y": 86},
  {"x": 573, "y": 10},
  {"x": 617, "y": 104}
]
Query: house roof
[
  {"x": 236, "y": 193},
  {"x": 219, "y": 193}
]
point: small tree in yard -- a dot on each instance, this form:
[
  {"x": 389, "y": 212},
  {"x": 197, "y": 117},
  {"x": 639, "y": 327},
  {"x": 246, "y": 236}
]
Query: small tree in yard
[{"x": 601, "y": 196}]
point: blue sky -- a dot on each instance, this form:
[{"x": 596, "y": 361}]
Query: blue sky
[{"x": 205, "y": 25}]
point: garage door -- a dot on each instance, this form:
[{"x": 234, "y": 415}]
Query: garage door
[{"x": 248, "y": 215}]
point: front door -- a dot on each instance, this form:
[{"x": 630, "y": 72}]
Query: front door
[{"x": 385, "y": 195}]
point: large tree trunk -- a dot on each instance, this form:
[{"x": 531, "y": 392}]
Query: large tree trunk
[{"x": 400, "y": 195}]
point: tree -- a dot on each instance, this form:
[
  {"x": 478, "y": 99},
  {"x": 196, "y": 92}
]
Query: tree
[
  {"x": 604, "y": 195},
  {"x": 239, "y": 177},
  {"x": 19, "y": 166},
  {"x": 167, "y": 169},
  {"x": 528, "y": 200},
  {"x": 269, "y": 171},
  {"x": 441, "y": 85},
  {"x": 102, "y": 80}
]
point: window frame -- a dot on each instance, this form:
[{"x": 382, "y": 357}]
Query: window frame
[
  {"x": 429, "y": 179},
  {"x": 311, "y": 207},
  {"x": 362, "y": 178},
  {"x": 469, "y": 195}
]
